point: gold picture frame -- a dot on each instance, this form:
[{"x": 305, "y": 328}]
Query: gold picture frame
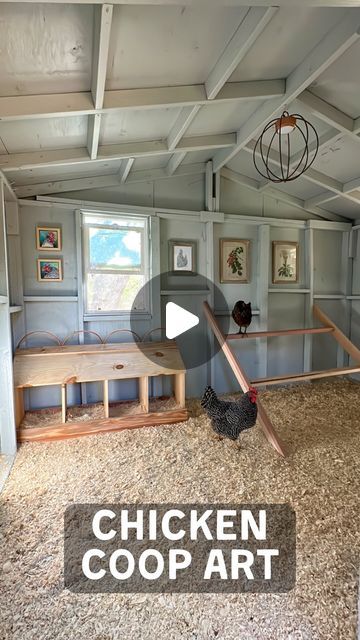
[
  {"x": 48, "y": 238},
  {"x": 285, "y": 262},
  {"x": 49, "y": 270},
  {"x": 234, "y": 261}
]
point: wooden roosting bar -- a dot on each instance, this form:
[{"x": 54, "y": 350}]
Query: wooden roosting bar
[
  {"x": 63, "y": 365},
  {"x": 328, "y": 327}
]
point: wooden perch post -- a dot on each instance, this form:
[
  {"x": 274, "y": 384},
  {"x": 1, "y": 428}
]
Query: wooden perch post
[{"x": 244, "y": 382}]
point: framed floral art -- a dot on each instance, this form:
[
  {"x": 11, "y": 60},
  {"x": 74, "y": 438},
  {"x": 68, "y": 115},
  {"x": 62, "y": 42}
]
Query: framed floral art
[
  {"x": 285, "y": 262},
  {"x": 234, "y": 260}
]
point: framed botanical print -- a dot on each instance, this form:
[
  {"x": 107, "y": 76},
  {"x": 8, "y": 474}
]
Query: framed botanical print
[
  {"x": 285, "y": 262},
  {"x": 48, "y": 238},
  {"x": 49, "y": 270},
  {"x": 234, "y": 260},
  {"x": 182, "y": 257}
]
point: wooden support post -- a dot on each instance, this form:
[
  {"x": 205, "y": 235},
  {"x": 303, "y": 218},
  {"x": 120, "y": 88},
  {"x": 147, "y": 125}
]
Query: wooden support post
[
  {"x": 144, "y": 393},
  {"x": 339, "y": 336},
  {"x": 19, "y": 405},
  {"x": 63, "y": 403},
  {"x": 179, "y": 389},
  {"x": 244, "y": 383},
  {"x": 106, "y": 398}
]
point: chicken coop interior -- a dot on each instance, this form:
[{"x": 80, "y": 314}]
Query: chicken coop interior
[{"x": 180, "y": 296}]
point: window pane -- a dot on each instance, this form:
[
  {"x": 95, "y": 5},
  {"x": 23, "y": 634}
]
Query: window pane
[
  {"x": 117, "y": 221},
  {"x": 113, "y": 292},
  {"x": 118, "y": 249}
]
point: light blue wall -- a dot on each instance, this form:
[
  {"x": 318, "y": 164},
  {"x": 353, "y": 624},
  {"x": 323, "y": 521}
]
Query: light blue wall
[{"x": 285, "y": 310}]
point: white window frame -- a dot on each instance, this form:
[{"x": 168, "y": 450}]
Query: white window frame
[{"x": 145, "y": 260}]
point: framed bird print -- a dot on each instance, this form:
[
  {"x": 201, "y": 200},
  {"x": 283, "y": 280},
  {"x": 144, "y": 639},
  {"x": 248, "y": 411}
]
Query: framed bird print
[
  {"x": 234, "y": 260},
  {"x": 49, "y": 270},
  {"x": 182, "y": 257},
  {"x": 48, "y": 238},
  {"x": 285, "y": 262}
]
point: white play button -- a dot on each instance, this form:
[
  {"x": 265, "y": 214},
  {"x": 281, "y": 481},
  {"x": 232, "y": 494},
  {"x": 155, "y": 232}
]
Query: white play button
[{"x": 178, "y": 320}]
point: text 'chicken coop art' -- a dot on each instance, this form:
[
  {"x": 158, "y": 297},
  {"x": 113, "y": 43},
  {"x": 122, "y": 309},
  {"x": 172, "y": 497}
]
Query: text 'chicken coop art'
[{"x": 157, "y": 548}]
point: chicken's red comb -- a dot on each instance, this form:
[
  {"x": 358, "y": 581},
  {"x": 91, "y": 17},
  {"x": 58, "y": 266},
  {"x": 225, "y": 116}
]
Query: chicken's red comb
[{"x": 253, "y": 390}]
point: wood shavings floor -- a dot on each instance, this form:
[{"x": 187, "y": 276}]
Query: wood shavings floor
[{"x": 184, "y": 463}]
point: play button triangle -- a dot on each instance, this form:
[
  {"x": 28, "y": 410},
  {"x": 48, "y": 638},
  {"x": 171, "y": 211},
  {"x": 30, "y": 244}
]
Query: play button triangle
[{"x": 178, "y": 320}]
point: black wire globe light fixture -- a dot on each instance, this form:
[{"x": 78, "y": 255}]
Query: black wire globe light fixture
[{"x": 278, "y": 136}]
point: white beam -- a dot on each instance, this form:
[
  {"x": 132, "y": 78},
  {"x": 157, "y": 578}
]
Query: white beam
[
  {"x": 98, "y": 182},
  {"x": 58, "y": 186},
  {"x": 314, "y": 176},
  {"x": 254, "y": 185},
  {"x": 73, "y": 104},
  {"x": 125, "y": 167},
  {"x": 349, "y": 191},
  {"x": 181, "y": 125},
  {"x": 325, "y": 196},
  {"x": 331, "y": 47},
  {"x": 216, "y": 3},
  {"x": 327, "y": 112},
  {"x": 351, "y": 185},
  {"x": 79, "y": 156},
  {"x": 174, "y": 162},
  {"x": 245, "y": 181},
  {"x": 93, "y": 135},
  {"x": 101, "y": 42},
  {"x": 252, "y": 24}
]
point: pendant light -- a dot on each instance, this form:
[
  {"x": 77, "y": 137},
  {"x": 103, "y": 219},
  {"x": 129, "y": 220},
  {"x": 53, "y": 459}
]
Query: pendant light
[{"x": 281, "y": 135}]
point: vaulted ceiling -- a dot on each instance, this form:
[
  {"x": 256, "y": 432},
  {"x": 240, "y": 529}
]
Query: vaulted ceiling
[{"x": 97, "y": 95}]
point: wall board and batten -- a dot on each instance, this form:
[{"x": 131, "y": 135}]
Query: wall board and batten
[{"x": 324, "y": 245}]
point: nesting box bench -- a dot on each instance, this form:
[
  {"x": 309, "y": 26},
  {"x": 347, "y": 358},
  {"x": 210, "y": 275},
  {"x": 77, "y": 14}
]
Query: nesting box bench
[{"x": 64, "y": 365}]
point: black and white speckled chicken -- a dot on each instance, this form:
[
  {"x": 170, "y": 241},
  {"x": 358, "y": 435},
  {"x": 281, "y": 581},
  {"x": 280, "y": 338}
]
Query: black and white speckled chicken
[
  {"x": 229, "y": 419},
  {"x": 242, "y": 314}
]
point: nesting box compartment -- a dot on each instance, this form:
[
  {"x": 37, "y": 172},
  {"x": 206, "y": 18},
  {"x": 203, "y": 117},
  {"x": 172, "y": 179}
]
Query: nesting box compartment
[{"x": 64, "y": 365}]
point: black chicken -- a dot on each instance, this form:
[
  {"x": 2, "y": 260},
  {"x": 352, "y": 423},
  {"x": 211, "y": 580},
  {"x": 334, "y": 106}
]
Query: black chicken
[
  {"x": 229, "y": 419},
  {"x": 242, "y": 314}
]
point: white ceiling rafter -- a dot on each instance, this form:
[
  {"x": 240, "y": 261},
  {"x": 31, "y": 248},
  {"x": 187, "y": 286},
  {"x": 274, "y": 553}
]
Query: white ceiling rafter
[
  {"x": 125, "y": 168},
  {"x": 112, "y": 180},
  {"x": 329, "y": 49},
  {"x": 312, "y": 175},
  {"x": 255, "y": 185},
  {"x": 253, "y": 22},
  {"x": 102, "y": 29},
  {"x": 174, "y": 162},
  {"x": 217, "y": 3},
  {"x": 329, "y": 114},
  {"x": 81, "y": 103},
  {"x": 78, "y": 156}
]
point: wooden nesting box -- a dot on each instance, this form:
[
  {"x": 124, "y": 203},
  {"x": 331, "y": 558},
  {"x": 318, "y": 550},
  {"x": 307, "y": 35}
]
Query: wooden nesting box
[{"x": 63, "y": 365}]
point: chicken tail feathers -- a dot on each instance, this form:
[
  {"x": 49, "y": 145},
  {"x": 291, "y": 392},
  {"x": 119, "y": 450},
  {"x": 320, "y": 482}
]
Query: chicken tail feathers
[{"x": 209, "y": 398}]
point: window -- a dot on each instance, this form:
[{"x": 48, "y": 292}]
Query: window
[{"x": 115, "y": 263}]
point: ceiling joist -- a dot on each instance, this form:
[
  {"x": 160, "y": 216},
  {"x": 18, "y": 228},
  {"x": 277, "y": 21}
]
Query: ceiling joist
[
  {"x": 316, "y": 177},
  {"x": 329, "y": 49},
  {"x": 79, "y": 156},
  {"x": 253, "y": 22},
  {"x": 112, "y": 180},
  {"x": 254, "y": 185},
  {"x": 79, "y": 104},
  {"x": 102, "y": 29}
]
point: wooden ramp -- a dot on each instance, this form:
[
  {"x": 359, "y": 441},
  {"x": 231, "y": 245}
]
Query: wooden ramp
[{"x": 328, "y": 327}]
